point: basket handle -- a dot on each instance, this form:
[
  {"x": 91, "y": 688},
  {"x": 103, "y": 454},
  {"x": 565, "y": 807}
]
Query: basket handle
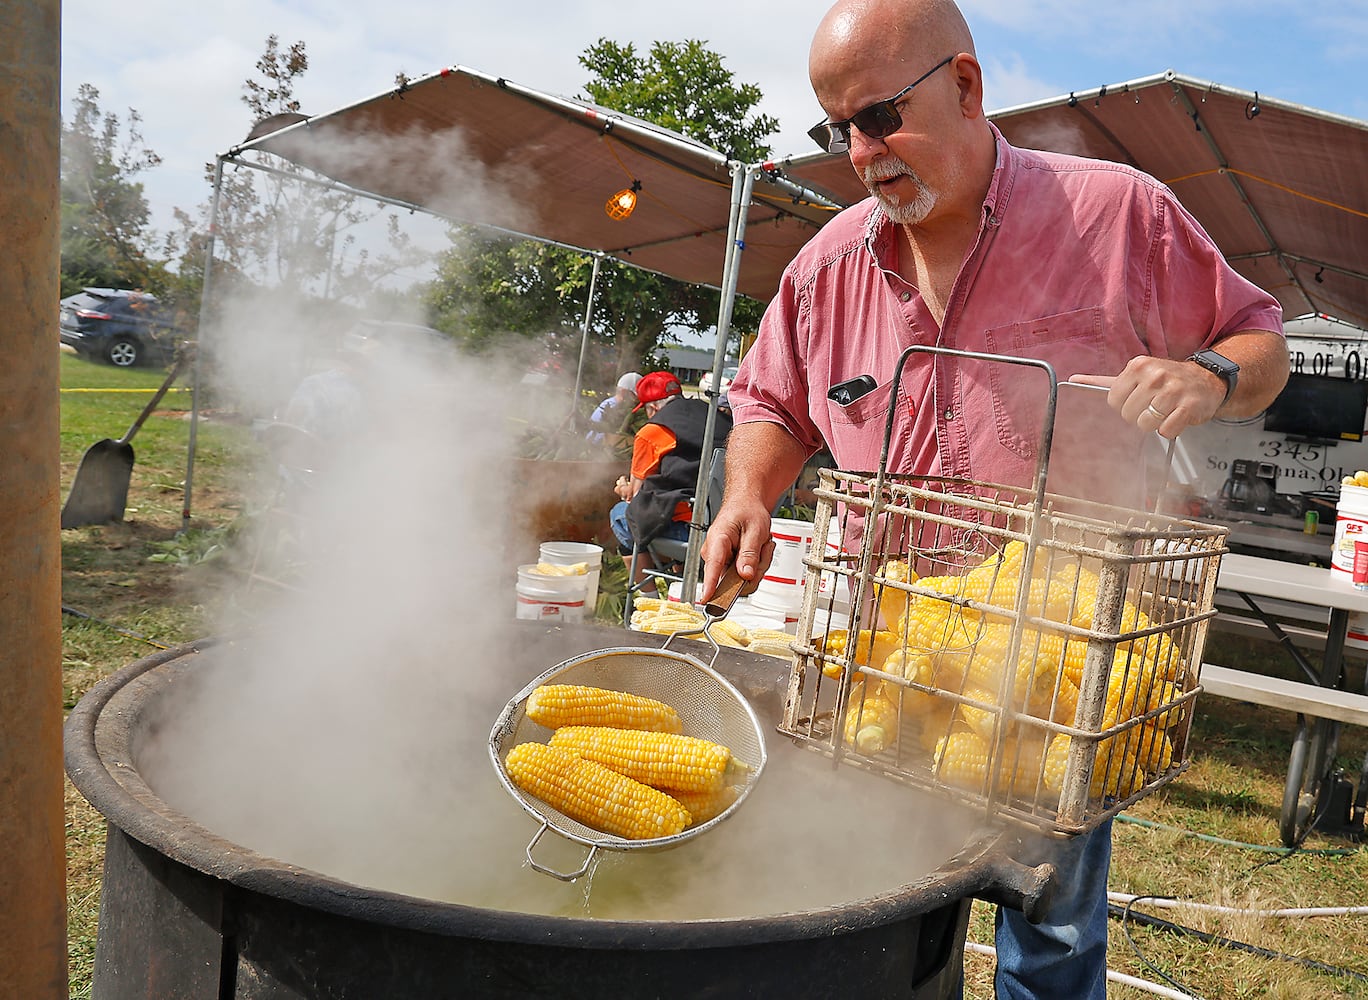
[{"x": 563, "y": 876}]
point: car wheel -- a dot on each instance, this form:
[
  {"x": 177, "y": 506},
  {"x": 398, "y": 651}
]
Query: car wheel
[{"x": 123, "y": 352}]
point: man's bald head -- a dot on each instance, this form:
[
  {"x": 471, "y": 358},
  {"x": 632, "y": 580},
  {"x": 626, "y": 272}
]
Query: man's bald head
[{"x": 910, "y": 32}]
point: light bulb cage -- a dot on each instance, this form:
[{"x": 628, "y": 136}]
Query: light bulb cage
[{"x": 623, "y": 203}]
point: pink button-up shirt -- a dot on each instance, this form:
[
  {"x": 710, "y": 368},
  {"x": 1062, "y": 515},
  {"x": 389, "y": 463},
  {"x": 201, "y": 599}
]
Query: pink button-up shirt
[{"x": 1081, "y": 263}]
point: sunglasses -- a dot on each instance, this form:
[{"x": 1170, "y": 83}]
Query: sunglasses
[{"x": 876, "y": 121}]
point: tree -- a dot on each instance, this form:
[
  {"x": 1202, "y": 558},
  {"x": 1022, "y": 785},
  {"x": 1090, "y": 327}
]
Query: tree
[
  {"x": 104, "y": 224},
  {"x": 681, "y": 86},
  {"x": 277, "y": 229},
  {"x": 489, "y": 287}
]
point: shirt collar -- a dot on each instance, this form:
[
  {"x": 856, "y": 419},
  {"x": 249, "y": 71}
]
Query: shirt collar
[{"x": 880, "y": 231}]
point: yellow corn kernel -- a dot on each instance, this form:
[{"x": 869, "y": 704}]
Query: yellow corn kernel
[
  {"x": 729, "y": 634},
  {"x": 871, "y": 720},
  {"x": 703, "y": 806},
  {"x": 556, "y": 705},
  {"x": 594, "y": 795},
  {"x": 661, "y": 760}
]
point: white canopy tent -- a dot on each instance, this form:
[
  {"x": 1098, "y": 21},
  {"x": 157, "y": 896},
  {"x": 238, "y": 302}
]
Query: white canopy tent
[{"x": 1280, "y": 188}]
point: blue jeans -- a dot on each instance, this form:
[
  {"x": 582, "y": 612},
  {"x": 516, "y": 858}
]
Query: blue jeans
[
  {"x": 1065, "y": 955},
  {"x": 617, "y": 517}
]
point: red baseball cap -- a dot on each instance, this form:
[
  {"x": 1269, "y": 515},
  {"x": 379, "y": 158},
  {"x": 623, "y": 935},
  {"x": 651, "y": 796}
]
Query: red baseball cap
[{"x": 657, "y": 385}]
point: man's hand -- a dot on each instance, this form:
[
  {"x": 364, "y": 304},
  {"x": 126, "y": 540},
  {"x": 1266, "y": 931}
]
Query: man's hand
[
  {"x": 1157, "y": 394},
  {"x": 1160, "y": 395},
  {"x": 738, "y": 533}
]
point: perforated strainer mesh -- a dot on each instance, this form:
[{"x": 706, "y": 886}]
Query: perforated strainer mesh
[{"x": 710, "y": 707}]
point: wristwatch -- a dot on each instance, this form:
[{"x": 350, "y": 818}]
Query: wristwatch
[{"x": 1222, "y": 367}]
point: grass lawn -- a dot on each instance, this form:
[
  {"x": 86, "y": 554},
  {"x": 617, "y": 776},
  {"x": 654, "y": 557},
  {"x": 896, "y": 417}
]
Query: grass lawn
[{"x": 131, "y": 588}]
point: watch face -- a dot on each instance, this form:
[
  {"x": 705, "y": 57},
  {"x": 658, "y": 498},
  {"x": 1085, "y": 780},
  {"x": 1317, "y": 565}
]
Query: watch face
[{"x": 1217, "y": 363}]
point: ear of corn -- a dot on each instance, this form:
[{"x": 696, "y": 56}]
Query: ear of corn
[
  {"x": 893, "y": 603},
  {"x": 557, "y": 705},
  {"x": 872, "y": 648},
  {"x": 933, "y": 717},
  {"x": 980, "y": 719},
  {"x": 661, "y": 760},
  {"x": 961, "y": 759},
  {"x": 770, "y": 642},
  {"x": 551, "y": 569},
  {"x": 593, "y": 795},
  {"x": 1116, "y": 770},
  {"x": 871, "y": 721},
  {"x": 703, "y": 806}
]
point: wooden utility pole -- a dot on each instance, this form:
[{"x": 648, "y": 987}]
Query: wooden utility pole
[{"x": 33, "y": 960}]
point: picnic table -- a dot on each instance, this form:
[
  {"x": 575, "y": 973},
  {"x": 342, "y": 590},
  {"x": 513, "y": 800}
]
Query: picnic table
[{"x": 1320, "y": 700}]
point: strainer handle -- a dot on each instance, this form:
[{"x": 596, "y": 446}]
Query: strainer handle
[
  {"x": 563, "y": 876},
  {"x": 729, "y": 588}
]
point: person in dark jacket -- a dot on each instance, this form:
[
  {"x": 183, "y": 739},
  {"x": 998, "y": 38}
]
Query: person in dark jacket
[{"x": 656, "y": 497}]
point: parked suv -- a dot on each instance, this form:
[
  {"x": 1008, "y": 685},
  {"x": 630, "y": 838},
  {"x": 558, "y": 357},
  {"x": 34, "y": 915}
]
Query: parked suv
[{"x": 122, "y": 327}]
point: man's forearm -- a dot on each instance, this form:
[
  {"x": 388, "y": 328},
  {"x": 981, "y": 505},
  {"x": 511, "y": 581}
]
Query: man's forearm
[
  {"x": 1262, "y": 357},
  {"x": 763, "y": 460}
]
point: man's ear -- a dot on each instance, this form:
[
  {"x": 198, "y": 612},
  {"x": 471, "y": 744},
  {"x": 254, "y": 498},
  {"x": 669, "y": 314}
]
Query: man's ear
[{"x": 969, "y": 81}]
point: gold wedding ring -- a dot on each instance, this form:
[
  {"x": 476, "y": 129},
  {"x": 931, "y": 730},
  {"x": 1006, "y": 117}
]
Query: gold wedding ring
[{"x": 1161, "y": 417}]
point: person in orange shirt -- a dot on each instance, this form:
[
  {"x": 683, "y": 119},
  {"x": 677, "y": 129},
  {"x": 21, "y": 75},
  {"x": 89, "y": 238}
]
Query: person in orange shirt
[{"x": 656, "y": 498}]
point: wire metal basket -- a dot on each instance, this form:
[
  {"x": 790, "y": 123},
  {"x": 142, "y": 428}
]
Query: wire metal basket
[{"x": 1031, "y": 655}]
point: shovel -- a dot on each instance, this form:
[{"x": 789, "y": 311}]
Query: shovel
[{"x": 100, "y": 491}]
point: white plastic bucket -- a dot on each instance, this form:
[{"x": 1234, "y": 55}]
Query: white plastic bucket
[
  {"x": 833, "y": 589},
  {"x": 1351, "y": 525},
  {"x": 782, "y": 586},
  {"x": 550, "y": 598},
  {"x": 570, "y": 553},
  {"x": 1356, "y": 636},
  {"x": 781, "y": 611}
]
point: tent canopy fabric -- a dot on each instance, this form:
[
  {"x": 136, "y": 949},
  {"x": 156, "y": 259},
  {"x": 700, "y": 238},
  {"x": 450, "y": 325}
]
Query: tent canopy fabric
[
  {"x": 1280, "y": 188},
  {"x": 478, "y": 149}
]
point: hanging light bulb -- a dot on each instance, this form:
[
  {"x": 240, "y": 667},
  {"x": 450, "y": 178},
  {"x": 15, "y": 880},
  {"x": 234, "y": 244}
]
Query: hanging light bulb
[{"x": 623, "y": 204}]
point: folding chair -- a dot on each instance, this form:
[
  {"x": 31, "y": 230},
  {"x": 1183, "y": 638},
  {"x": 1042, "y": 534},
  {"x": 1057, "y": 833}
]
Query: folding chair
[{"x": 665, "y": 553}]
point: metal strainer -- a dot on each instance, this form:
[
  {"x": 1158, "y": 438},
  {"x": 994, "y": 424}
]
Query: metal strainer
[{"x": 708, "y": 704}]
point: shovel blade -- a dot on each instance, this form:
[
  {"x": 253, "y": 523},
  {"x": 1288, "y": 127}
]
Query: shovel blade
[{"x": 99, "y": 493}]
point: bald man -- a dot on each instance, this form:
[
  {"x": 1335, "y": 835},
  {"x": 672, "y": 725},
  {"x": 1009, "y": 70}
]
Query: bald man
[{"x": 970, "y": 243}]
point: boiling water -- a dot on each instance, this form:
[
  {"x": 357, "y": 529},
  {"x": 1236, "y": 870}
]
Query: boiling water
[{"x": 418, "y": 810}]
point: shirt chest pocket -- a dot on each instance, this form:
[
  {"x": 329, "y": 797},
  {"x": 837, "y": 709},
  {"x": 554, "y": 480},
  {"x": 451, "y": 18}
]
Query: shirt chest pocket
[{"x": 1071, "y": 342}]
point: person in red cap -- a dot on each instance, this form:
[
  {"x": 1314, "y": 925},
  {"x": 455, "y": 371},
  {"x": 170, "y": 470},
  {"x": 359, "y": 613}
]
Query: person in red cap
[{"x": 656, "y": 497}]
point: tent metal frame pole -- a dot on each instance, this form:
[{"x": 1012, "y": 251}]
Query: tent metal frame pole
[
  {"x": 584, "y": 332},
  {"x": 743, "y": 181},
  {"x": 205, "y": 288},
  {"x": 1223, "y": 162}
]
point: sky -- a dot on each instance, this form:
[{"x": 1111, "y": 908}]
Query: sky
[{"x": 181, "y": 65}]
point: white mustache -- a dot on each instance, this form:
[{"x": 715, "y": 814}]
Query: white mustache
[{"x": 886, "y": 170}]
